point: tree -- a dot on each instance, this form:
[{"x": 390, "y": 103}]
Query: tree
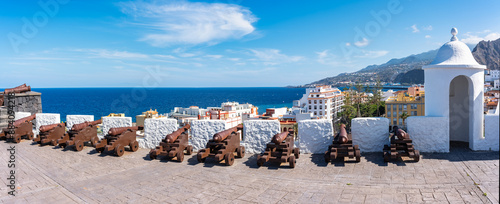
[{"x": 403, "y": 116}]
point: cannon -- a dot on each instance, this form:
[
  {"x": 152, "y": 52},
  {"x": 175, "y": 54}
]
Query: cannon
[
  {"x": 117, "y": 139},
  {"x": 17, "y": 89},
  {"x": 173, "y": 145},
  {"x": 23, "y": 128},
  {"x": 342, "y": 147},
  {"x": 50, "y": 134},
  {"x": 401, "y": 146},
  {"x": 280, "y": 150},
  {"x": 223, "y": 146},
  {"x": 79, "y": 134}
]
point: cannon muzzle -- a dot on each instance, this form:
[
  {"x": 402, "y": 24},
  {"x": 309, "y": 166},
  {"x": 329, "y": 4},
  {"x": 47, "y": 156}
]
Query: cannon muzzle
[
  {"x": 120, "y": 130},
  {"x": 25, "y": 119},
  {"x": 342, "y": 136},
  {"x": 400, "y": 133},
  {"x": 218, "y": 137},
  {"x": 278, "y": 138},
  {"x": 45, "y": 128},
  {"x": 173, "y": 136},
  {"x": 80, "y": 126}
]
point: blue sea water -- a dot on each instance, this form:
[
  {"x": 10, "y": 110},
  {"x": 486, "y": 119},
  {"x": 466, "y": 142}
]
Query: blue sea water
[{"x": 133, "y": 101}]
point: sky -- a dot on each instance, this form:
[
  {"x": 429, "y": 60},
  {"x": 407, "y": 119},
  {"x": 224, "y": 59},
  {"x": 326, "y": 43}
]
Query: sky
[{"x": 226, "y": 43}]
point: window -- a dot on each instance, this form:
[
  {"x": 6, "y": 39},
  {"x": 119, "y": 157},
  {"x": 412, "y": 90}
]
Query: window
[
  {"x": 413, "y": 106},
  {"x": 314, "y": 107},
  {"x": 321, "y": 113},
  {"x": 389, "y": 113},
  {"x": 400, "y": 112},
  {"x": 315, "y": 101},
  {"x": 414, "y": 113},
  {"x": 317, "y": 95},
  {"x": 326, "y": 107},
  {"x": 394, "y": 121},
  {"x": 309, "y": 107},
  {"x": 394, "y": 114},
  {"x": 388, "y": 107},
  {"x": 315, "y": 113},
  {"x": 400, "y": 107},
  {"x": 404, "y": 107},
  {"x": 309, "y": 101},
  {"x": 401, "y": 121},
  {"x": 394, "y": 107},
  {"x": 320, "y": 107},
  {"x": 320, "y": 101}
]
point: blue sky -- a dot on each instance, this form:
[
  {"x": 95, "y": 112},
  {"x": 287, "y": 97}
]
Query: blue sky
[{"x": 232, "y": 43}]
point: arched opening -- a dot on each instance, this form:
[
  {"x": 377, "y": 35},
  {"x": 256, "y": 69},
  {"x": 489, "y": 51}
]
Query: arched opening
[{"x": 459, "y": 109}]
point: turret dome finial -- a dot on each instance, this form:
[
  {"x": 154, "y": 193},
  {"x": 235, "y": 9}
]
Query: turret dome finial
[{"x": 454, "y": 32}]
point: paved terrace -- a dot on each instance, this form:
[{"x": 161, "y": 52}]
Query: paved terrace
[{"x": 50, "y": 175}]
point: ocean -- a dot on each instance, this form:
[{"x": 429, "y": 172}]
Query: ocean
[{"x": 133, "y": 101}]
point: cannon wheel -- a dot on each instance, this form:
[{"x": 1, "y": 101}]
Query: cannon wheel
[
  {"x": 189, "y": 150},
  {"x": 79, "y": 145},
  {"x": 240, "y": 152},
  {"x": 357, "y": 154},
  {"x": 296, "y": 152},
  {"x": 180, "y": 156},
  {"x": 29, "y": 136},
  {"x": 229, "y": 158},
  {"x": 198, "y": 157},
  {"x": 53, "y": 142},
  {"x": 134, "y": 146},
  {"x": 291, "y": 161},
  {"x": 119, "y": 150},
  {"x": 417, "y": 156},
  {"x": 17, "y": 139}
]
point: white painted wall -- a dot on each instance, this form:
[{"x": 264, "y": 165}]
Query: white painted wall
[
  {"x": 114, "y": 122},
  {"x": 204, "y": 130},
  {"x": 155, "y": 129},
  {"x": 315, "y": 136},
  {"x": 490, "y": 141},
  {"x": 257, "y": 133},
  {"x": 429, "y": 134},
  {"x": 77, "y": 119},
  {"x": 19, "y": 115},
  {"x": 371, "y": 134},
  {"x": 46, "y": 119}
]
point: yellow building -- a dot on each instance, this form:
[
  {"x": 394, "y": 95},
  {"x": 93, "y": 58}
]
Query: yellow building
[
  {"x": 139, "y": 119},
  {"x": 402, "y": 102},
  {"x": 116, "y": 115}
]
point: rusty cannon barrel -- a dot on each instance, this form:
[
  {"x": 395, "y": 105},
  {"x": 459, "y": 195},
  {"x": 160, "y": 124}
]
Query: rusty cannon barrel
[
  {"x": 80, "y": 126},
  {"x": 18, "y": 89},
  {"x": 45, "y": 128},
  {"x": 278, "y": 138},
  {"x": 218, "y": 137},
  {"x": 400, "y": 133},
  {"x": 342, "y": 136},
  {"x": 173, "y": 136},
  {"x": 120, "y": 130},
  {"x": 25, "y": 119}
]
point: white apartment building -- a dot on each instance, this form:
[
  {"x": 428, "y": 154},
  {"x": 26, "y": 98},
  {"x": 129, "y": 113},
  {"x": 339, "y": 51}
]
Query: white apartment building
[
  {"x": 324, "y": 102},
  {"x": 492, "y": 75},
  {"x": 231, "y": 112}
]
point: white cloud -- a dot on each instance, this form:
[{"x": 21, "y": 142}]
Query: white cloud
[
  {"x": 111, "y": 54},
  {"x": 372, "y": 54},
  {"x": 427, "y": 36},
  {"x": 214, "y": 56},
  {"x": 326, "y": 58},
  {"x": 427, "y": 27},
  {"x": 414, "y": 28},
  {"x": 361, "y": 43},
  {"x": 274, "y": 56},
  {"x": 181, "y": 22},
  {"x": 474, "y": 38}
]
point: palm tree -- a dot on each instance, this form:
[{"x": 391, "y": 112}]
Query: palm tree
[{"x": 403, "y": 116}]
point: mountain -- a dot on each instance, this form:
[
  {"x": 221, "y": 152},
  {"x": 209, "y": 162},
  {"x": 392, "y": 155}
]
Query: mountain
[
  {"x": 408, "y": 70},
  {"x": 488, "y": 53}
]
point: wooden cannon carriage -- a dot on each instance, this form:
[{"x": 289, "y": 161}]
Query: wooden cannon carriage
[
  {"x": 118, "y": 138},
  {"x": 50, "y": 134},
  {"x": 342, "y": 147},
  {"x": 173, "y": 145},
  {"x": 79, "y": 134},
  {"x": 223, "y": 146},
  {"x": 280, "y": 150},
  {"x": 401, "y": 146},
  {"x": 23, "y": 128}
]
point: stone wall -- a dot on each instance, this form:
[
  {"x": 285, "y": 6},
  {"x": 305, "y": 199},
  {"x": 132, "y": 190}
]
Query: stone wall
[
  {"x": 429, "y": 134},
  {"x": 371, "y": 134},
  {"x": 45, "y": 119},
  {"x": 490, "y": 141},
  {"x": 28, "y": 102},
  {"x": 77, "y": 119},
  {"x": 204, "y": 130},
  {"x": 257, "y": 133},
  {"x": 314, "y": 136},
  {"x": 155, "y": 129},
  {"x": 114, "y": 122}
]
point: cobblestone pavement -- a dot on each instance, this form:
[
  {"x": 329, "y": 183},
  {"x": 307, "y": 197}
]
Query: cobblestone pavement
[{"x": 51, "y": 175}]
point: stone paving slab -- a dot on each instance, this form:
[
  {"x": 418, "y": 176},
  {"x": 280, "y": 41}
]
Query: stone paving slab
[{"x": 51, "y": 175}]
